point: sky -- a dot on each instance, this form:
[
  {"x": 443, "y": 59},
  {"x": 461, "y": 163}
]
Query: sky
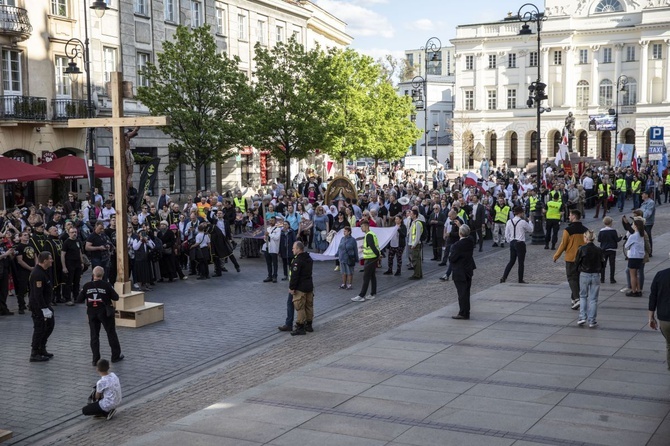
[{"x": 381, "y": 27}]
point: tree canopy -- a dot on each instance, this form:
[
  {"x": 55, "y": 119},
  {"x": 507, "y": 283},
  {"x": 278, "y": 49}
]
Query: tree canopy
[{"x": 205, "y": 95}]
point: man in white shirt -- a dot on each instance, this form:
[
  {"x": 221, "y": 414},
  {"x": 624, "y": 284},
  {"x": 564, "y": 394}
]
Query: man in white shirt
[
  {"x": 587, "y": 182},
  {"x": 107, "y": 213},
  {"x": 515, "y": 234}
]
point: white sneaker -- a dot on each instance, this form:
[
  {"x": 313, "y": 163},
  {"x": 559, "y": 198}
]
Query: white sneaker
[
  {"x": 110, "y": 415},
  {"x": 575, "y": 304},
  {"x": 358, "y": 299},
  {"x": 370, "y": 296},
  {"x": 337, "y": 268},
  {"x": 581, "y": 322},
  {"x": 624, "y": 290}
]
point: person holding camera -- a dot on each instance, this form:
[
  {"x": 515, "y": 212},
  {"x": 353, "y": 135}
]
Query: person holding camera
[
  {"x": 142, "y": 246},
  {"x": 98, "y": 248}
]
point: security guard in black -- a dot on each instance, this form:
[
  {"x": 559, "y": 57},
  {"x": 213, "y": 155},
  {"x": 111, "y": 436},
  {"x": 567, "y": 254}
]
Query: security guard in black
[
  {"x": 41, "y": 294},
  {"x": 99, "y": 295}
]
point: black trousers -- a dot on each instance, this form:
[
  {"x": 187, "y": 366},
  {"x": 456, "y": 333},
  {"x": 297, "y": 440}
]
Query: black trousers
[
  {"x": 94, "y": 322},
  {"x": 479, "y": 234},
  {"x": 4, "y": 288},
  {"x": 552, "y": 225},
  {"x": 72, "y": 280},
  {"x": 463, "y": 284},
  {"x": 369, "y": 277},
  {"x": 42, "y": 329},
  {"x": 289, "y": 310},
  {"x": 93, "y": 409},
  {"x": 272, "y": 262},
  {"x": 517, "y": 250},
  {"x": 610, "y": 257},
  {"x": 437, "y": 247},
  {"x": 572, "y": 272}
]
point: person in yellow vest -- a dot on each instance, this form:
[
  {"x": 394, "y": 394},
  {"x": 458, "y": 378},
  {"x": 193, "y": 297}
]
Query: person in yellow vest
[
  {"x": 553, "y": 219},
  {"x": 500, "y": 217},
  {"x": 666, "y": 189},
  {"x": 636, "y": 190},
  {"x": 531, "y": 203},
  {"x": 240, "y": 202},
  {"x": 371, "y": 255},
  {"x": 621, "y": 189},
  {"x": 416, "y": 247},
  {"x": 604, "y": 191}
]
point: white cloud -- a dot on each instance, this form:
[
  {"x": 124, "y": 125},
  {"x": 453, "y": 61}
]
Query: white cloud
[
  {"x": 376, "y": 53},
  {"x": 421, "y": 25},
  {"x": 361, "y": 21}
]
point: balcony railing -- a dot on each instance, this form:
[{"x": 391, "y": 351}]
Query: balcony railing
[
  {"x": 14, "y": 22},
  {"x": 29, "y": 108},
  {"x": 64, "y": 109}
]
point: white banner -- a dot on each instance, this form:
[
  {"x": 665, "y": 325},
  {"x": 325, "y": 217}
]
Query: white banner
[{"x": 384, "y": 236}]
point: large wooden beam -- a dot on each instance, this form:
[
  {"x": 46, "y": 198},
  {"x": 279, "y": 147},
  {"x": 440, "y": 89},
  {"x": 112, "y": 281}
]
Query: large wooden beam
[{"x": 139, "y": 121}]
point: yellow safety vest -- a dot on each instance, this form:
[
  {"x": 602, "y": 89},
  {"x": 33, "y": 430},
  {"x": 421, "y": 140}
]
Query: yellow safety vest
[
  {"x": 368, "y": 253},
  {"x": 667, "y": 179},
  {"x": 554, "y": 210},
  {"x": 533, "y": 203},
  {"x": 463, "y": 215},
  {"x": 601, "y": 190},
  {"x": 635, "y": 186},
  {"x": 621, "y": 184},
  {"x": 501, "y": 213},
  {"x": 240, "y": 203}
]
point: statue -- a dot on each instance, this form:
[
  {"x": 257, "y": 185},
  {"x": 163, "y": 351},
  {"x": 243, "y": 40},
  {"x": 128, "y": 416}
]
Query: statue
[
  {"x": 130, "y": 160},
  {"x": 570, "y": 124}
]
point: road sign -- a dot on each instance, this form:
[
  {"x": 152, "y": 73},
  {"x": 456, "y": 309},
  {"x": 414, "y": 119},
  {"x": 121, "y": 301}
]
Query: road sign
[{"x": 656, "y": 143}]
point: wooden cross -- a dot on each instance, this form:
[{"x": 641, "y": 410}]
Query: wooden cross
[{"x": 117, "y": 122}]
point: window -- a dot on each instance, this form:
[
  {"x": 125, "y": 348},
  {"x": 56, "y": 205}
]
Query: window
[
  {"x": 281, "y": 33},
  {"x": 558, "y": 57},
  {"x": 410, "y": 60},
  {"x": 492, "y": 60},
  {"x": 63, "y": 83},
  {"x": 196, "y": 15},
  {"x": 59, "y": 8},
  {"x": 511, "y": 98},
  {"x": 260, "y": 31},
  {"x": 170, "y": 13},
  {"x": 583, "y": 56},
  {"x": 582, "y": 94},
  {"x": 142, "y": 61},
  {"x": 657, "y": 51},
  {"x": 11, "y": 72},
  {"x": 221, "y": 21},
  {"x": 242, "y": 26},
  {"x": 532, "y": 59},
  {"x": 629, "y": 94},
  {"x": 141, "y": 7},
  {"x": 511, "y": 60},
  {"x": 606, "y": 90},
  {"x": 607, "y": 55},
  {"x": 609, "y": 6},
  {"x": 630, "y": 53},
  {"x": 492, "y": 100},
  {"x": 109, "y": 62},
  {"x": 470, "y": 62},
  {"x": 469, "y": 96}
]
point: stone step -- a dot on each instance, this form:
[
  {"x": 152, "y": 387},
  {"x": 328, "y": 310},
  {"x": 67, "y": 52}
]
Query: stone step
[{"x": 5, "y": 435}]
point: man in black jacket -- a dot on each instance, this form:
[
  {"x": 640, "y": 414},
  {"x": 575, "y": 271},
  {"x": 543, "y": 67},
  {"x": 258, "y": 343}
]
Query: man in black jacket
[
  {"x": 436, "y": 221},
  {"x": 659, "y": 303},
  {"x": 463, "y": 266},
  {"x": 99, "y": 295},
  {"x": 478, "y": 220},
  {"x": 301, "y": 287},
  {"x": 41, "y": 291}
]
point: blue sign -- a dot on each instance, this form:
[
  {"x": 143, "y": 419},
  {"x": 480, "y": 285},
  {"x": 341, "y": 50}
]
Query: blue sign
[{"x": 656, "y": 143}]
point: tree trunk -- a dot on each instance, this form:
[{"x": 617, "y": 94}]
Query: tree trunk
[
  {"x": 289, "y": 179},
  {"x": 197, "y": 177}
]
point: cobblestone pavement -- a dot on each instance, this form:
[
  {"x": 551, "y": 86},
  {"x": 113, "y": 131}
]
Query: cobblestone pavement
[{"x": 161, "y": 355}]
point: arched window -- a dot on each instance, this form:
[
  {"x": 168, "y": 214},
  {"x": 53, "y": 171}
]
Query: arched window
[
  {"x": 629, "y": 136},
  {"x": 557, "y": 140},
  {"x": 533, "y": 147},
  {"x": 514, "y": 149},
  {"x": 582, "y": 94},
  {"x": 606, "y": 146},
  {"x": 629, "y": 93},
  {"x": 606, "y": 90},
  {"x": 609, "y": 6},
  {"x": 583, "y": 143}
]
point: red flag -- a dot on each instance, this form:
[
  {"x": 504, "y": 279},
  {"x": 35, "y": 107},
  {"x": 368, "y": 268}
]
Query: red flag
[
  {"x": 633, "y": 162},
  {"x": 329, "y": 166},
  {"x": 471, "y": 179}
]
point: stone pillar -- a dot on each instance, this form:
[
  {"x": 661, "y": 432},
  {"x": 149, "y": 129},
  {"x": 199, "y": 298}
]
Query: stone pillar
[
  {"x": 570, "y": 89},
  {"x": 643, "y": 78},
  {"x": 595, "y": 83},
  {"x": 666, "y": 97}
]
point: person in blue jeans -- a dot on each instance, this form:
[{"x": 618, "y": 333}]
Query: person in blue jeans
[{"x": 589, "y": 262}]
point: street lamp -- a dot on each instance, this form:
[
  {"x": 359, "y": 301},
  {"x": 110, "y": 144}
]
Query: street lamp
[
  {"x": 73, "y": 49},
  {"x": 621, "y": 85},
  {"x": 436, "y": 127},
  {"x": 536, "y": 96},
  {"x": 433, "y": 46}
]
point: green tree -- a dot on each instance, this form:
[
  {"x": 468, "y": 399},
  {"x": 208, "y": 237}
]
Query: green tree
[
  {"x": 205, "y": 95},
  {"x": 293, "y": 94}
]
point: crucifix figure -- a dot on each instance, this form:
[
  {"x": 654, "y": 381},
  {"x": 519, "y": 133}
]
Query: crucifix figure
[
  {"x": 130, "y": 160},
  {"x": 121, "y": 149}
]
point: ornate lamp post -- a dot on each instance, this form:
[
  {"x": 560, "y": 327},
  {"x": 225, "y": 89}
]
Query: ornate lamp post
[
  {"x": 432, "y": 47},
  {"x": 529, "y": 13},
  {"x": 436, "y": 127},
  {"x": 621, "y": 85},
  {"x": 73, "y": 49}
]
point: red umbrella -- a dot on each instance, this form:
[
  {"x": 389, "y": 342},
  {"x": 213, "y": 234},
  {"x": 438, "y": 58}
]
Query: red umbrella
[
  {"x": 12, "y": 171},
  {"x": 74, "y": 168}
]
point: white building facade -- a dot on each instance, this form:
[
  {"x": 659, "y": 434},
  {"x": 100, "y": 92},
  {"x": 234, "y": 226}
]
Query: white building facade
[{"x": 588, "y": 48}]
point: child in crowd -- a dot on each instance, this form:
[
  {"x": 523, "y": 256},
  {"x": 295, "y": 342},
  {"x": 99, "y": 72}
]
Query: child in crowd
[{"x": 107, "y": 395}]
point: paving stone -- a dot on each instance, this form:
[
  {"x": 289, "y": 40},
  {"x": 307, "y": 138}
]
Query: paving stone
[
  {"x": 306, "y": 436},
  {"x": 356, "y": 427}
]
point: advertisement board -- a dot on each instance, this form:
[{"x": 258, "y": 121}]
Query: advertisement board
[{"x": 602, "y": 122}]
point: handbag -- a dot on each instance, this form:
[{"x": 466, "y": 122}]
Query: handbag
[
  {"x": 305, "y": 225},
  {"x": 324, "y": 234},
  {"x": 331, "y": 236}
]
